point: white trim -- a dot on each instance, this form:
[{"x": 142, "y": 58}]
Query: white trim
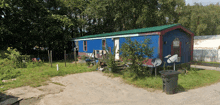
[
  {"x": 116, "y": 43},
  {"x": 119, "y": 36}
]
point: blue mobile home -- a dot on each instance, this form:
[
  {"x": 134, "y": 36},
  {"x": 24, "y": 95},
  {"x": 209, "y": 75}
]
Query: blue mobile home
[{"x": 168, "y": 39}]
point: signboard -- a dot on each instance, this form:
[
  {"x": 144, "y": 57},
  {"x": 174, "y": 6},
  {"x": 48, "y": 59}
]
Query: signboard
[{"x": 176, "y": 42}]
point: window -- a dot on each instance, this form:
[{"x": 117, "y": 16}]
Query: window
[
  {"x": 84, "y": 45},
  {"x": 103, "y": 44}
]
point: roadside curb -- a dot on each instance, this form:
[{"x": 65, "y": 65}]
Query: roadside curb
[{"x": 205, "y": 67}]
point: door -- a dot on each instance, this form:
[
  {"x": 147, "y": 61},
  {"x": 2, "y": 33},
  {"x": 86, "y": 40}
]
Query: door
[
  {"x": 117, "y": 49},
  {"x": 176, "y": 48}
]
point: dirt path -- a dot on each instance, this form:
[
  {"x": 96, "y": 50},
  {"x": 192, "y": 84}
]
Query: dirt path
[{"x": 93, "y": 88}]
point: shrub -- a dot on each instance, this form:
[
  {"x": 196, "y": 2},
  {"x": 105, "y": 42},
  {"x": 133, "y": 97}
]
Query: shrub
[
  {"x": 2, "y": 54},
  {"x": 88, "y": 63},
  {"x": 14, "y": 58},
  {"x": 83, "y": 57},
  {"x": 136, "y": 52},
  {"x": 8, "y": 72},
  {"x": 110, "y": 61},
  {"x": 34, "y": 64}
]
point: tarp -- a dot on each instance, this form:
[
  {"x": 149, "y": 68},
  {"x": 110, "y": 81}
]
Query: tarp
[{"x": 207, "y": 44}]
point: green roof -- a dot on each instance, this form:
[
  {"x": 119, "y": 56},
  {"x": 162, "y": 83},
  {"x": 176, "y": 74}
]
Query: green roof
[{"x": 134, "y": 31}]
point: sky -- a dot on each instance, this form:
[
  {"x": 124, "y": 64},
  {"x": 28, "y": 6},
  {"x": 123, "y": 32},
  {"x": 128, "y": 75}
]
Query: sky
[{"x": 204, "y": 2}]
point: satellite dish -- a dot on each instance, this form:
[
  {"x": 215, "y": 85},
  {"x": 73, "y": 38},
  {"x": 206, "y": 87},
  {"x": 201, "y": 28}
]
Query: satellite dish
[
  {"x": 167, "y": 56},
  {"x": 172, "y": 59},
  {"x": 156, "y": 62}
]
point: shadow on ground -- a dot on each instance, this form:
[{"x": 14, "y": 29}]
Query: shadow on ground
[
  {"x": 180, "y": 89},
  {"x": 9, "y": 99}
]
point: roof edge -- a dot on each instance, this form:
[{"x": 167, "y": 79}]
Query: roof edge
[{"x": 133, "y": 31}]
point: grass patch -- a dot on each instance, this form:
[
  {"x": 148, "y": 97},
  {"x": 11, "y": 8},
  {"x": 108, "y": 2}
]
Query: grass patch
[
  {"x": 37, "y": 76},
  {"x": 198, "y": 78},
  {"x": 193, "y": 79}
]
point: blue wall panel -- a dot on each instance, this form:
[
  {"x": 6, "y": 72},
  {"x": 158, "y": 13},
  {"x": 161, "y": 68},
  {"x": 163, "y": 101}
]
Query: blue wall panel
[
  {"x": 94, "y": 45},
  {"x": 185, "y": 48},
  {"x": 154, "y": 42},
  {"x": 91, "y": 45},
  {"x": 80, "y": 46},
  {"x": 110, "y": 43}
]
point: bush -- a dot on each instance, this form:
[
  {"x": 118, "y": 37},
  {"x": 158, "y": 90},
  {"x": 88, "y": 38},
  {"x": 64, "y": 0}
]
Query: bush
[
  {"x": 136, "y": 52},
  {"x": 83, "y": 57},
  {"x": 1, "y": 83},
  {"x": 8, "y": 72},
  {"x": 88, "y": 63},
  {"x": 14, "y": 58},
  {"x": 2, "y": 54},
  {"x": 110, "y": 61},
  {"x": 34, "y": 64}
]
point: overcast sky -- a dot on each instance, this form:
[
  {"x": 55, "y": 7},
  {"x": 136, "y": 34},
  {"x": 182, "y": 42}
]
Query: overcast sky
[{"x": 204, "y": 2}]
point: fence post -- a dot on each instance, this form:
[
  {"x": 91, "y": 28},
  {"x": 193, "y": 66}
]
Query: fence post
[
  {"x": 74, "y": 54},
  {"x": 102, "y": 55},
  {"x": 217, "y": 56},
  {"x": 65, "y": 57},
  {"x": 51, "y": 57},
  {"x": 94, "y": 56},
  {"x": 202, "y": 55}
]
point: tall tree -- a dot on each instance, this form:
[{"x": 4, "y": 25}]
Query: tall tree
[
  {"x": 27, "y": 23},
  {"x": 202, "y": 20}
]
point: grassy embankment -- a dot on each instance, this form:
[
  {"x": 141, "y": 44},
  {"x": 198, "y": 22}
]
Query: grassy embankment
[{"x": 193, "y": 79}]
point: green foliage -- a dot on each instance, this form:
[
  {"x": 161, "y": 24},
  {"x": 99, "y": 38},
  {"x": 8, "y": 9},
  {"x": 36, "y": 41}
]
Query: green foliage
[
  {"x": 202, "y": 20},
  {"x": 193, "y": 79},
  {"x": 136, "y": 52},
  {"x": 8, "y": 71},
  {"x": 2, "y": 54},
  {"x": 88, "y": 63},
  {"x": 110, "y": 61},
  {"x": 1, "y": 83},
  {"x": 83, "y": 57},
  {"x": 34, "y": 64},
  {"x": 183, "y": 66},
  {"x": 197, "y": 78},
  {"x": 41, "y": 74},
  {"x": 44, "y": 23},
  {"x": 13, "y": 61}
]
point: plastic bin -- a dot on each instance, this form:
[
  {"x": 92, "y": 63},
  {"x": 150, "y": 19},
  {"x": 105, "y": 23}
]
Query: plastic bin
[{"x": 170, "y": 81}]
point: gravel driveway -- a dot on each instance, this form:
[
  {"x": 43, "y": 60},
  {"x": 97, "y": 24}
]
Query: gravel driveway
[{"x": 93, "y": 88}]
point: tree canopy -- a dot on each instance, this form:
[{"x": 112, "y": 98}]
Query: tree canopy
[{"x": 25, "y": 24}]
